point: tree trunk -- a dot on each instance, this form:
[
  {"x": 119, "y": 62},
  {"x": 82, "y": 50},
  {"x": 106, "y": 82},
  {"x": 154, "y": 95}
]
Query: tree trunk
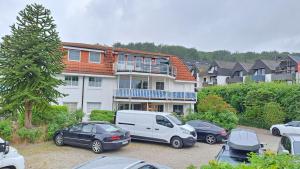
[{"x": 28, "y": 114}]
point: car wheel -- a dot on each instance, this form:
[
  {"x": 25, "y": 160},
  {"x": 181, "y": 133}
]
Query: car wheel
[
  {"x": 97, "y": 146},
  {"x": 210, "y": 139},
  {"x": 176, "y": 142},
  {"x": 275, "y": 132},
  {"x": 59, "y": 140}
]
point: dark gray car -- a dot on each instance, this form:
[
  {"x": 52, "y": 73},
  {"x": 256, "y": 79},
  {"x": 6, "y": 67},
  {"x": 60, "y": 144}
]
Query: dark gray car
[
  {"x": 98, "y": 136},
  {"x": 119, "y": 163},
  {"x": 209, "y": 132}
]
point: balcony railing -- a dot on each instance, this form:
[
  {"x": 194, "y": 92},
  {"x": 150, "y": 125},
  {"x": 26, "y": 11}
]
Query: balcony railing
[
  {"x": 259, "y": 78},
  {"x": 283, "y": 77},
  {"x": 234, "y": 79},
  {"x": 154, "y": 94},
  {"x": 146, "y": 68}
]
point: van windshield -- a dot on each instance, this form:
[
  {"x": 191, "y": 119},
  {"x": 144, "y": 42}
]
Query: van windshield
[{"x": 175, "y": 120}]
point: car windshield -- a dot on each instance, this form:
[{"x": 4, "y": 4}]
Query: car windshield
[
  {"x": 109, "y": 127},
  {"x": 297, "y": 147},
  {"x": 233, "y": 160},
  {"x": 174, "y": 119}
]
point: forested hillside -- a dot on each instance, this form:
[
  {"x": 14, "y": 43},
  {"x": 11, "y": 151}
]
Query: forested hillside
[{"x": 192, "y": 54}]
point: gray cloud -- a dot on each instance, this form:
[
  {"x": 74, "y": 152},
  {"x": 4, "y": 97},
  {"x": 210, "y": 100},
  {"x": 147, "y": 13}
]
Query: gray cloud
[{"x": 235, "y": 25}]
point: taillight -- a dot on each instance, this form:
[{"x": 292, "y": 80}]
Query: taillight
[
  {"x": 113, "y": 138},
  {"x": 223, "y": 133}
]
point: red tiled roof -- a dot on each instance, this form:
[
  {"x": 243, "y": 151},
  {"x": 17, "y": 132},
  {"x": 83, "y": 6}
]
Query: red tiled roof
[
  {"x": 183, "y": 72},
  {"x": 109, "y": 57}
]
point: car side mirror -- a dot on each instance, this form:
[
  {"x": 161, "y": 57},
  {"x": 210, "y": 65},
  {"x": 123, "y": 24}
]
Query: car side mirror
[
  {"x": 262, "y": 145},
  {"x": 285, "y": 152},
  {"x": 6, "y": 144},
  {"x": 169, "y": 125}
]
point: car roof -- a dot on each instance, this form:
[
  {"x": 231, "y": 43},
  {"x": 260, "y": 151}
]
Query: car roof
[
  {"x": 243, "y": 139},
  {"x": 111, "y": 162},
  {"x": 143, "y": 112},
  {"x": 95, "y": 122}
]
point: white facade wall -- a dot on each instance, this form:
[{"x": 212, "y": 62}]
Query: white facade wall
[
  {"x": 221, "y": 80},
  {"x": 268, "y": 77}
]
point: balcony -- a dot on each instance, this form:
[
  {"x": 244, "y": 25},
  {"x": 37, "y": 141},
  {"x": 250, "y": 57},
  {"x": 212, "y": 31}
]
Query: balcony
[
  {"x": 234, "y": 79},
  {"x": 154, "y": 94},
  {"x": 163, "y": 69},
  {"x": 283, "y": 77},
  {"x": 259, "y": 78}
]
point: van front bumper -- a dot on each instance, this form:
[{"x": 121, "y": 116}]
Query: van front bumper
[{"x": 189, "y": 141}]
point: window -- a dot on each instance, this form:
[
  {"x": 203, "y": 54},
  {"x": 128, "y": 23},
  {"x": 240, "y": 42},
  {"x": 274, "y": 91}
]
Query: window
[
  {"x": 72, "y": 106},
  {"x": 71, "y": 80},
  {"x": 160, "y": 85},
  {"x": 87, "y": 128},
  {"x": 93, "y": 106},
  {"x": 76, "y": 128},
  {"x": 95, "y": 81},
  {"x": 178, "y": 109},
  {"x": 124, "y": 82},
  {"x": 286, "y": 143},
  {"x": 148, "y": 167},
  {"x": 139, "y": 83},
  {"x": 161, "y": 120},
  {"x": 123, "y": 106},
  {"x": 74, "y": 55},
  {"x": 160, "y": 108},
  {"x": 95, "y": 57}
]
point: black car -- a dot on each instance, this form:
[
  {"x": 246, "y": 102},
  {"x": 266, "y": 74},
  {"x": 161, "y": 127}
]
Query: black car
[
  {"x": 98, "y": 136},
  {"x": 240, "y": 143},
  {"x": 208, "y": 132}
]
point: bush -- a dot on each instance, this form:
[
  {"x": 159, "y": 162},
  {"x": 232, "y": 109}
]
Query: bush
[
  {"x": 266, "y": 161},
  {"x": 249, "y": 99},
  {"x": 214, "y": 109},
  {"x": 30, "y": 135},
  {"x": 6, "y": 130},
  {"x": 273, "y": 114},
  {"x": 102, "y": 115}
]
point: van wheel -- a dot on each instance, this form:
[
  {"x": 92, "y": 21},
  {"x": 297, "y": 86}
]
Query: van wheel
[
  {"x": 176, "y": 142},
  {"x": 275, "y": 131}
]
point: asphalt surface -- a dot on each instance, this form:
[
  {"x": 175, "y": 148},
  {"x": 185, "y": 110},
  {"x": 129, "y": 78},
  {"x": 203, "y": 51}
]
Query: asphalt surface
[{"x": 49, "y": 156}]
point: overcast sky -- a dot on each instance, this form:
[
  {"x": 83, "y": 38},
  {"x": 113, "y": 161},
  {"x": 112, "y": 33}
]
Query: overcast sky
[{"x": 235, "y": 25}]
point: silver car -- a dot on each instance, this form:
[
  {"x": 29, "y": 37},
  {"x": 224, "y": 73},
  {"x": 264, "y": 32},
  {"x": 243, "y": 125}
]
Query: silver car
[
  {"x": 105, "y": 162},
  {"x": 290, "y": 144}
]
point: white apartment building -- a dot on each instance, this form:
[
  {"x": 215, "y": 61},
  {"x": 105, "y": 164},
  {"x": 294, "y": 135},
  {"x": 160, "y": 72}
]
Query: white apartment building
[{"x": 105, "y": 78}]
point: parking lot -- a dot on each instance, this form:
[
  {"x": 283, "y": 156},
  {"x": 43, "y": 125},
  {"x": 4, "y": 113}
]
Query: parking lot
[{"x": 49, "y": 156}]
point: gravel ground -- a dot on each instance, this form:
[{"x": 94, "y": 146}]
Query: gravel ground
[{"x": 49, "y": 156}]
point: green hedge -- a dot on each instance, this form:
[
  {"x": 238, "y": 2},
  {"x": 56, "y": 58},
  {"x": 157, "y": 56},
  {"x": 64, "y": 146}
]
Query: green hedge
[
  {"x": 250, "y": 100},
  {"x": 102, "y": 115},
  {"x": 30, "y": 135},
  {"x": 6, "y": 130}
]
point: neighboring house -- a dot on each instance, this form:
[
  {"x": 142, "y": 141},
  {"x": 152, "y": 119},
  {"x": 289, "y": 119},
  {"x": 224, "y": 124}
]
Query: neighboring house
[
  {"x": 218, "y": 72},
  {"x": 239, "y": 72},
  {"x": 105, "y": 78},
  {"x": 199, "y": 70},
  {"x": 262, "y": 70},
  {"x": 287, "y": 70}
]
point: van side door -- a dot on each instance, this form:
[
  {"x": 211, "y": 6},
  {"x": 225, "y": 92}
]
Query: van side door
[{"x": 163, "y": 129}]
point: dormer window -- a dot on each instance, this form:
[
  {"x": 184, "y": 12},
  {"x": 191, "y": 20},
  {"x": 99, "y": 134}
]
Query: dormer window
[
  {"x": 74, "y": 55},
  {"x": 95, "y": 57}
]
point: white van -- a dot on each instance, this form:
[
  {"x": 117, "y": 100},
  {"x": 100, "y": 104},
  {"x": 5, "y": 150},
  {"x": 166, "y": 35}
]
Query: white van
[
  {"x": 9, "y": 157},
  {"x": 156, "y": 126}
]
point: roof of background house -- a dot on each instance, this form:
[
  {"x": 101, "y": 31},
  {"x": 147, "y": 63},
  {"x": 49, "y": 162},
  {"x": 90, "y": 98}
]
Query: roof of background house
[
  {"x": 296, "y": 58},
  {"x": 272, "y": 64},
  {"x": 183, "y": 72},
  {"x": 224, "y": 64},
  {"x": 246, "y": 66}
]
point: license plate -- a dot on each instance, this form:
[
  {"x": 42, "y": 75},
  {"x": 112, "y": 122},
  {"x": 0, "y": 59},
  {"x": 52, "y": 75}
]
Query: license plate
[{"x": 124, "y": 142}]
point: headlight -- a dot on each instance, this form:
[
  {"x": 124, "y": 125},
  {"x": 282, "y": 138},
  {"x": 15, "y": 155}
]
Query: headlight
[{"x": 185, "y": 131}]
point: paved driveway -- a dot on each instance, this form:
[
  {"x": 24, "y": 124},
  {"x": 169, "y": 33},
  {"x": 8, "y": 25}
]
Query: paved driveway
[{"x": 48, "y": 156}]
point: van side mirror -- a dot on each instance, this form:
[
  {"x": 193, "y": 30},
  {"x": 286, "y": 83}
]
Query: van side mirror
[
  {"x": 169, "y": 125},
  {"x": 4, "y": 147}
]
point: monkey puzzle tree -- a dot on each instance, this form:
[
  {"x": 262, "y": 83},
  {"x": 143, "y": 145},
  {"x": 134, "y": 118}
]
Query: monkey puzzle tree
[{"x": 29, "y": 60}]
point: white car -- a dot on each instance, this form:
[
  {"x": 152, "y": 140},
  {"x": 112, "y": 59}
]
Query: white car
[
  {"x": 156, "y": 127},
  {"x": 292, "y": 127},
  {"x": 9, "y": 157}
]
